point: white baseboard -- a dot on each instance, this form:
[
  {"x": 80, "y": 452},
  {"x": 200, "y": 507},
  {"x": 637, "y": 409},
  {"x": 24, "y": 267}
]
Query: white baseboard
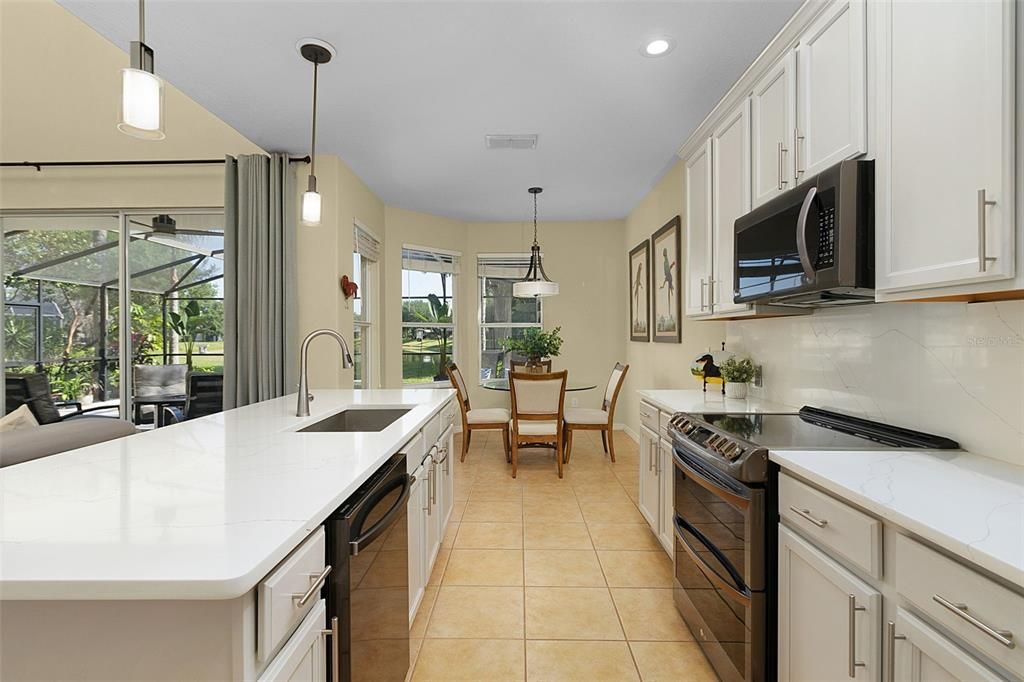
[{"x": 629, "y": 432}]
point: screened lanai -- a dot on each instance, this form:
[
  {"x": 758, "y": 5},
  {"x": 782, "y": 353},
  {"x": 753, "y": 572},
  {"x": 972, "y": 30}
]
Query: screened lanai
[{"x": 62, "y": 287}]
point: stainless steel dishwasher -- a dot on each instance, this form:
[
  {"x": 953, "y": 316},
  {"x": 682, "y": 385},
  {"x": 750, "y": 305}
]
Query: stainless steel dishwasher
[{"x": 368, "y": 590}]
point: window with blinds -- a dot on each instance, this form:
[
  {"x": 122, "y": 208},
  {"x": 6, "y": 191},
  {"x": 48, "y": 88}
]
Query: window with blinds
[
  {"x": 366, "y": 253},
  {"x": 428, "y": 313},
  {"x": 501, "y": 314}
]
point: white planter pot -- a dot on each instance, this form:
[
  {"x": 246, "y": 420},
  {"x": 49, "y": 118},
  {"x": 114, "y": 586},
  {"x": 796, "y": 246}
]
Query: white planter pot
[{"x": 735, "y": 390}]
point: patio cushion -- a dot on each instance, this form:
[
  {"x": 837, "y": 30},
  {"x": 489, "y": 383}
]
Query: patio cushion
[
  {"x": 21, "y": 418},
  {"x": 32, "y": 390},
  {"x": 530, "y": 428},
  {"x": 154, "y": 381},
  {"x": 487, "y": 415},
  {"x": 585, "y": 415}
]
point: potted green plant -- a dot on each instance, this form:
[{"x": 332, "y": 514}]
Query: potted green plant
[
  {"x": 535, "y": 345},
  {"x": 737, "y": 373}
]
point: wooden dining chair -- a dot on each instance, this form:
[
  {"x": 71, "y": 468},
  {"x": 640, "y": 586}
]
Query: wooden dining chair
[
  {"x": 483, "y": 419},
  {"x": 518, "y": 366},
  {"x": 538, "y": 411},
  {"x": 603, "y": 420}
]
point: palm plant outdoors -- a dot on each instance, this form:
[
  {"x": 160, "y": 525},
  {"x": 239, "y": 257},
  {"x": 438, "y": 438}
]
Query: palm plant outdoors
[
  {"x": 438, "y": 313},
  {"x": 184, "y": 322}
]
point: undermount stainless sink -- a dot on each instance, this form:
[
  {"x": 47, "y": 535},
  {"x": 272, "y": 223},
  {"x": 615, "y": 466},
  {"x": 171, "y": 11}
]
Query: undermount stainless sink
[{"x": 356, "y": 420}]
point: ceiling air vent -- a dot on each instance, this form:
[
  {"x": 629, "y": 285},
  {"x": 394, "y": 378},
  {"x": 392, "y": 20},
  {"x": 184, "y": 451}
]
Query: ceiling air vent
[{"x": 510, "y": 141}]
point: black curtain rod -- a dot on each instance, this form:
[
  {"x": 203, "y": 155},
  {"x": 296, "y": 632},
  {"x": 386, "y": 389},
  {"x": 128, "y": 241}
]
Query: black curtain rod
[{"x": 38, "y": 165}]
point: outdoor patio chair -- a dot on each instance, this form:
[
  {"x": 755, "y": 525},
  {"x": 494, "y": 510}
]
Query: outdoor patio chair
[
  {"x": 156, "y": 381},
  {"x": 205, "y": 396}
]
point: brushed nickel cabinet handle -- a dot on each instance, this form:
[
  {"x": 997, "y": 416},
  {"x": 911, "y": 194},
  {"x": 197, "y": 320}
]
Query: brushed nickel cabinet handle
[
  {"x": 1004, "y": 637},
  {"x": 314, "y": 588},
  {"x": 806, "y": 513},
  {"x": 703, "y": 284},
  {"x": 797, "y": 137},
  {"x": 983, "y": 257},
  {"x": 334, "y": 632},
  {"x": 854, "y": 663},
  {"x": 781, "y": 181},
  {"x": 890, "y": 650}
]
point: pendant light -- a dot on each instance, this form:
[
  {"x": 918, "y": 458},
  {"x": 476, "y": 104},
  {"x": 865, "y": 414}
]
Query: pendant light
[
  {"x": 318, "y": 52},
  {"x": 536, "y": 283},
  {"x": 142, "y": 92}
]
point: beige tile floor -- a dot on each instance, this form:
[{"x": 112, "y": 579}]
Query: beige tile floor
[{"x": 548, "y": 579}]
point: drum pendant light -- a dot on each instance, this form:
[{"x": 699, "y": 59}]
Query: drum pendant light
[
  {"x": 142, "y": 92},
  {"x": 536, "y": 283},
  {"x": 318, "y": 52}
]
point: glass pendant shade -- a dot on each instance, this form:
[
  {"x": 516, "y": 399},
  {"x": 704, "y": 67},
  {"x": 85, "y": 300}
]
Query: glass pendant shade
[
  {"x": 311, "y": 208},
  {"x": 142, "y": 105},
  {"x": 537, "y": 288}
]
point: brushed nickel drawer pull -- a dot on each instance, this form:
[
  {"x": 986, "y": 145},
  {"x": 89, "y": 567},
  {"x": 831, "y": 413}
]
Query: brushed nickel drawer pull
[
  {"x": 1004, "y": 637},
  {"x": 854, "y": 663},
  {"x": 890, "y": 650},
  {"x": 315, "y": 587},
  {"x": 334, "y": 632},
  {"x": 806, "y": 513},
  {"x": 983, "y": 258}
]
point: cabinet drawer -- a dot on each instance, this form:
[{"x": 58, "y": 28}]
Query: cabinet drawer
[
  {"x": 448, "y": 413},
  {"x": 279, "y": 594},
  {"x": 649, "y": 416},
  {"x": 663, "y": 423},
  {"x": 432, "y": 430},
  {"x": 414, "y": 451},
  {"x": 979, "y": 610},
  {"x": 852, "y": 534}
]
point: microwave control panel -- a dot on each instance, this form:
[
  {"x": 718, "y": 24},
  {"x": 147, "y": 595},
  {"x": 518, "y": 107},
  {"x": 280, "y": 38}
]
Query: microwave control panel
[{"x": 826, "y": 238}]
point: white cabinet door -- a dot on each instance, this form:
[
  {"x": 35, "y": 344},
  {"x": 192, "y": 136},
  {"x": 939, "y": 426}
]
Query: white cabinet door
[
  {"x": 698, "y": 232},
  {"x": 433, "y": 532},
  {"x": 417, "y": 512},
  {"x": 829, "y": 620},
  {"x": 832, "y": 91},
  {"x": 946, "y": 117},
  {"x": 446, "y": 483},
  {"x": 303, "y": 658},
  {"x": 649, "y": 495},
  {"x": 772, "y": 119},
  {"x": 666, "y": 507},
  {"x": 920, "y": 654},
  {"x": 730, "y": 193}
]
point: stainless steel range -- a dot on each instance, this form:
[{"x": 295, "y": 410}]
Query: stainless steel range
[{"x": 726, "y": 515}]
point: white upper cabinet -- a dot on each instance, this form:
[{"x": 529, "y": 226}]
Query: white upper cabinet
[
  {"x": 945, "y": 174},
  {"x": 773, "y": 117},
  {"x": 730, "y": 153},
  {"x": 831, "y": 59},
  {"x": 698, "y": 231}
]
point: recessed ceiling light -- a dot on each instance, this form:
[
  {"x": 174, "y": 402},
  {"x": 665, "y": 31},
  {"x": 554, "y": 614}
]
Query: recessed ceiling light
[{"x": 658, "y": 47}]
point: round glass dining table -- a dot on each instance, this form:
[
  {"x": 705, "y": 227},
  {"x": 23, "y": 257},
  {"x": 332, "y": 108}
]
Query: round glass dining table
[{"x": 502, "y": 385}]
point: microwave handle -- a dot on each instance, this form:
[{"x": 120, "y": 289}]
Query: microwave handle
[{"x": 801, "y": 234}]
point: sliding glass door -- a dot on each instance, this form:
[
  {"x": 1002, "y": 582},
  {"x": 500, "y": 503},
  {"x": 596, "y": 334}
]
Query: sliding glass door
[{"x": 64, "y": 277}]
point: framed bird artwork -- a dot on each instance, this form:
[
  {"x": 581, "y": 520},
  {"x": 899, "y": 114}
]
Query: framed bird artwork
[
  {"x": 640, "y": 291},
  {"x": 666, "y": 289}
]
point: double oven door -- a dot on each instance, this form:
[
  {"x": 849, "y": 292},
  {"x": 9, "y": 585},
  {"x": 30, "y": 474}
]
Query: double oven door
[{"x": 722, "y": 567}]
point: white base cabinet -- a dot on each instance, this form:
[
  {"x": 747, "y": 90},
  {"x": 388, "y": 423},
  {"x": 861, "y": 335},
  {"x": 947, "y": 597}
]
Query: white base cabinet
[
  {"x": 655, "y": 495},
  {"x": 304, "y": 657},
  {"x": 649, "y": 493},
  {"x": 919, "y": 653},
  {"x": 830, "y": 622}
]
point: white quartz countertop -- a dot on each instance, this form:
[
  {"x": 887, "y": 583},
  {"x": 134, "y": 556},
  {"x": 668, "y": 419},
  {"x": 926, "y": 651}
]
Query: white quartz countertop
[
  {"x": 197, "y": 510},
  {"x": 713, "y": 401},
  {"x": 969, "y": 505}
]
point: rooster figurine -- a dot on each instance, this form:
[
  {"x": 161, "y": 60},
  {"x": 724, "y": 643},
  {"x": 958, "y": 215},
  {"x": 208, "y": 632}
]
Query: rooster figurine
[{"x": 348, "y": 287}]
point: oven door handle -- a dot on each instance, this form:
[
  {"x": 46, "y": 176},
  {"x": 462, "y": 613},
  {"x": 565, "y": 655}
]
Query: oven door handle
[
  {"x": 801, "y": 234},
  {"x": 738, "y": 591},
  {"x": 709, "y": 485},
  {"x": 357, "y": 545}
]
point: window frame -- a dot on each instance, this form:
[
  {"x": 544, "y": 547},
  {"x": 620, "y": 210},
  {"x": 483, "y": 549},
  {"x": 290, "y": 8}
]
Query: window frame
[
  {"x": 482, "y": 307},
  {"x": 453, "y": 304}
]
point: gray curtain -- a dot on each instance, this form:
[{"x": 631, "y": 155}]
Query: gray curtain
[{"x": 259, "y": 278}]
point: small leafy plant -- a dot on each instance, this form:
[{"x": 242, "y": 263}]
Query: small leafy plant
[
  {"x": 737, "y": 371},
  {"x": 184, "y": 323},
  {"x": 535, "y": 343}
]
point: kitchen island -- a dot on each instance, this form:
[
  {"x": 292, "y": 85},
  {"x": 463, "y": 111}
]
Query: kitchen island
[{"x": 140, "y": 558}]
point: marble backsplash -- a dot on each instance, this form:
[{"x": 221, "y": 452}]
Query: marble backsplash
[{"x": 954, "y": 369}]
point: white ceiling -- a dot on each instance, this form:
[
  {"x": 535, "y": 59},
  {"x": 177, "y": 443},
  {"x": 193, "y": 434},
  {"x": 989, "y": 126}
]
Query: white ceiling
[{"x": 417, "y": 85}]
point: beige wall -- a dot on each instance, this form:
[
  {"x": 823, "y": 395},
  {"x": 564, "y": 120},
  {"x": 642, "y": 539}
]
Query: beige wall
[
  {"x": 59, "y": 94},
  {"x": 660, "y": 365},
  {"x": 583, "y": 257},
  {"x": 324, "y": 255}
]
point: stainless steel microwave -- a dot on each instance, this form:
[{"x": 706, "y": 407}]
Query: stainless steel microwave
[{"x": 813, "y": 245}]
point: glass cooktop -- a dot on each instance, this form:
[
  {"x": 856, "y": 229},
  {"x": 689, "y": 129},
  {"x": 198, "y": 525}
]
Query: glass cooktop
[{"x": 815, "y": 429}]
